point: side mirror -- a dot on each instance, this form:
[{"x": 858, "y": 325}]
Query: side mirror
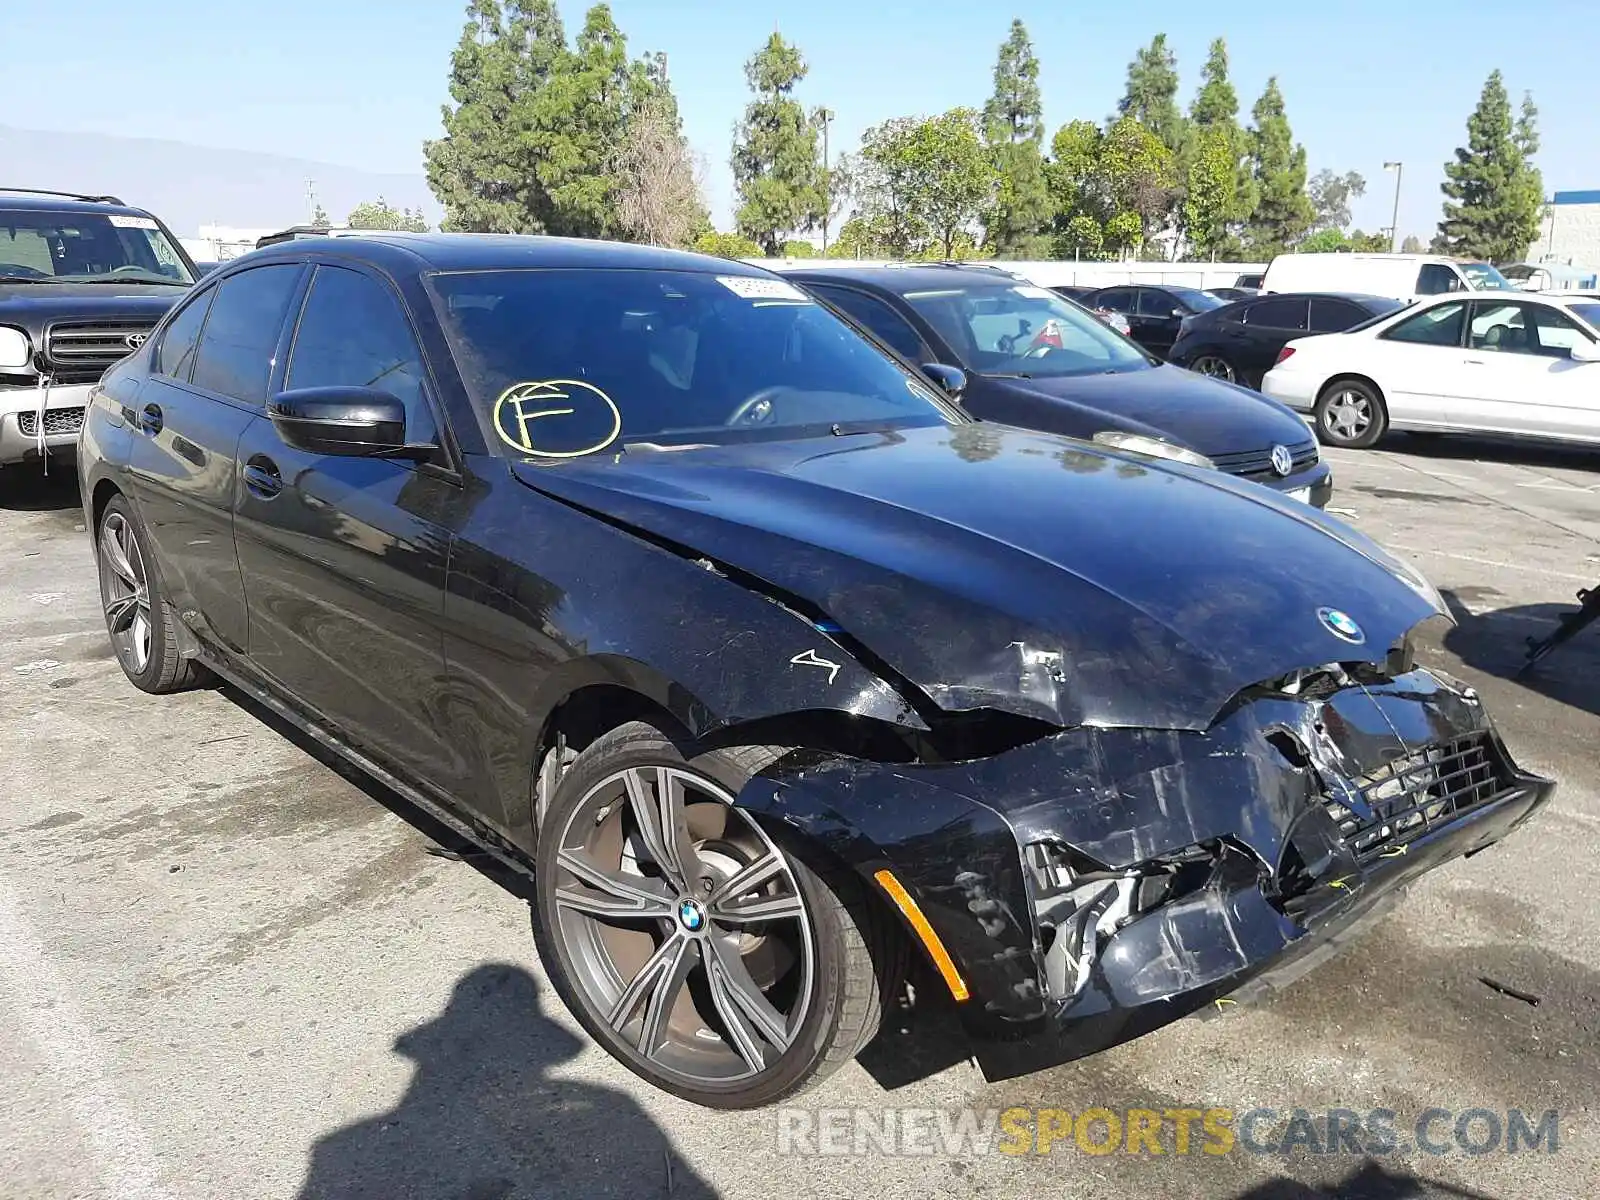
[
  {"x": 352, "y": 421},
  {"x": 951, "y": 380},
  {"x": 1179, "y": 313},
  {"x": 1585, "y": 352}
]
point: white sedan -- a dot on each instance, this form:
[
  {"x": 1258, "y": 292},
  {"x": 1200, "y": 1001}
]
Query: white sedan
[{"x": 1500, "y": 363}]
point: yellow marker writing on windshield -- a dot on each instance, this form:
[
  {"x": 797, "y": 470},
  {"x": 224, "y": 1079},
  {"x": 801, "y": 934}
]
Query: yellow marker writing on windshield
[{"x": 522, "y": 405}]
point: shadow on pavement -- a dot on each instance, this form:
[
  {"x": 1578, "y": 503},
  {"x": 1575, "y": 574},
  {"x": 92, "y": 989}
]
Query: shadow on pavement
[
  {"x": 25, "y": 487},
  {"x": 1496, "y": 643},
  {"x": 1371, "y": 1181},
  {"x": 1511, "y": 451},
  {"x": 484, "y": 1120}
]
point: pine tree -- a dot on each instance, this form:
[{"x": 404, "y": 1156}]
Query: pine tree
[
  {"x": 1151, "y": 97},
  {"x": 1014, "y": 129},
  {"x": 1215, "y": 111},
  {"x": 776, "y": 165},
  {"x": 1493, "y": 192},
  {"x": 1283, "y": 211}
]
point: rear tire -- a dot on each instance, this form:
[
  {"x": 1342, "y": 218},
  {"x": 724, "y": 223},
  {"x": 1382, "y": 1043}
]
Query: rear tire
[
  {"x": 1350, "y": 413},
  {"x": 651, "y": 930},
  {"x": 139, "y": 620},
  {"x": 1216, "y": 367}
]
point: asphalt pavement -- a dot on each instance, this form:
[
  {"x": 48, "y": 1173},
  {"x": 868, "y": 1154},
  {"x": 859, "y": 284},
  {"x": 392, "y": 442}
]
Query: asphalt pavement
[{"x": 230, "y": 970}]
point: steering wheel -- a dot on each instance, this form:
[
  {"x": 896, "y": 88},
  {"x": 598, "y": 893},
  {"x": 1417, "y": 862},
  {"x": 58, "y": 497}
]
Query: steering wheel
[{"x": 757, "y": 408}]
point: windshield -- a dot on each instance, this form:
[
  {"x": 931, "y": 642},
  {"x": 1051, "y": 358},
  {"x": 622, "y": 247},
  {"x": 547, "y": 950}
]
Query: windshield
[
  {"x": 1485, "y": 278},
  {"x": 78, "y": 247},
  {"x": 563, "y": 363},
  {"x": 1019, "y": 329},
  {"x": 1589, "y": 312}
]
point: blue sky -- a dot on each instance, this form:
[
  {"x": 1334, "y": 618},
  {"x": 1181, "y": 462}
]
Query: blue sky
[{"x": 359, "y": 82}]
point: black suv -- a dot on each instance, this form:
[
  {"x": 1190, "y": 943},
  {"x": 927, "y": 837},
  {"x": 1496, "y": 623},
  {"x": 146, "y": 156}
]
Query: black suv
[{"x": 83, "y": 281}]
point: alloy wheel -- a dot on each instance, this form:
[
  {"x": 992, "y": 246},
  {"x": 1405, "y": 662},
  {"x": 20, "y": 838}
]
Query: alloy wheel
[
  {"x": 1215, "y": 367},
  {"x": 125, "y": 592},
  {"x": 1348, "y": 415},
  {"x": 683, "y": 926}
]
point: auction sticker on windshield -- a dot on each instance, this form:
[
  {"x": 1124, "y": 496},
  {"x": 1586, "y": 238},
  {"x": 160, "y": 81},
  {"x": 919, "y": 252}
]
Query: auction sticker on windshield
[
  {"x": 754, "y": 288},
  {"x": 123, "y": 221},
  {"x": 556, "y": 418}
]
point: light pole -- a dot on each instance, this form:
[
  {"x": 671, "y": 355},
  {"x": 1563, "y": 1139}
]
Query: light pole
[
  {"x": 824, "y": 118},
  {"x": 1394, "y": 223}
]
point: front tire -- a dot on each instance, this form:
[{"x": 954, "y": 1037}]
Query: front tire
[
  {"x": 1351, "y": 413},
  {"x": 139, "y": 621},
  {"x": 705, "y": 956}
]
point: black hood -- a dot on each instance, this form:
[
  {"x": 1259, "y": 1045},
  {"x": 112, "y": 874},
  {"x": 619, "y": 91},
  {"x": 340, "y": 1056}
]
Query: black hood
[
  {"x": 1202, "y": 413},
  {"x": 990, "y": 567}
]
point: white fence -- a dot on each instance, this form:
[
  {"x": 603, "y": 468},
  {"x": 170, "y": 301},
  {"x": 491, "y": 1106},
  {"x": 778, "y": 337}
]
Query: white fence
[{"x": 1083, "y": 274}]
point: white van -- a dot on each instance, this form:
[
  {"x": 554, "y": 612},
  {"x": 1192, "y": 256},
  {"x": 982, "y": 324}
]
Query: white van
[{"x": 1404, "y": 277}]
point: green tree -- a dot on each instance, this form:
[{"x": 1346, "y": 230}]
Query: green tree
[
  {"x": 1151, "y": 97},
  {"x": 860, "y": 237},
  {"x": 1493, "y": 192},
  {"x": 776, "y": 167},
  {"x": 1324, "y": 241},
  {"x": 483, "y": 170},
  {"x": 1330, "y": 196},
  {"x": 1412, "y": 245},
  {"x": 1283, "y": 211},
  {"x": 1016, "y": 224},
  {"x": 927, "y": 181},
  {"x": 727, "y": 245},
  {"x": 1216, "y": 110},
  {"x": 798, "y": 249},
  {"x": 1138, "y": 173},
  {"x": 1210, "y": 190},
  {"x": 377, "y": 214}
]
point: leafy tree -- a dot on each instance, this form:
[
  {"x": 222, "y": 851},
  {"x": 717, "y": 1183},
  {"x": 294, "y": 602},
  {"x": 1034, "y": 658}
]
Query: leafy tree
[
  {"x": 1412, "y": 244},
  {"x": 319, "y": 218},
  {"x": 1151, "y": 97},
  {"x": 798, "y": 249},
  {"x": 861, "y": 237},
  {"x": 1330, "y": 196},
  {"x": 1138, "y": 174},
  {"x": 1116, "y": 181},
  {"x": 1368, "y": 243},
  {"x": 926, "y": 181},
  {"x": 377, "y": 214},
  {"x": 1324, "y": 241},
  {"x": 1014, "y": 129},
  {"x": 1216, "y": 110},
  {"x": 727, "y": 245},
  {"x": 1216, "y": 104},
  {"x": 775, "y": 155},
  {"x": 1081, "y": 235},
  {"x": 1493, "y": 192},
  {"x": 1210, "y": 190},
  {"x": 1283, "y": 211},
  {"x": 656, "y": 178},
  {"x": 483, "y": 170}
]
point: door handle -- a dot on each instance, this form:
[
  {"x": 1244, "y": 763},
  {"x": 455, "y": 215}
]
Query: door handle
[
  {"x": 151, "y": 420},
  {"x": 262, "y": 477}
]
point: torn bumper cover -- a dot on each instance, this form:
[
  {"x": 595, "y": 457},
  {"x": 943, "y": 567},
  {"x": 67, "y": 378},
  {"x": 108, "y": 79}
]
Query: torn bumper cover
[{"x": 1099, "y": 883}]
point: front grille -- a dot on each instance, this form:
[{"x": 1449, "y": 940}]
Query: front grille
[
  {"x": 1257, "y": 464},
  {"x": 56, "y": 421},
  {"x": 1420, "y": 791},
  {"x": 80, "y": 352}
]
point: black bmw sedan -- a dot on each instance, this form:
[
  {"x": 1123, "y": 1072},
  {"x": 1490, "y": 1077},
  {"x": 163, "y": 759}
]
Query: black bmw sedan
[
  {"x": 1239, "y": 342},
  {"x": 1029, "y": 358},
  {"x": 772, "y": 670}
]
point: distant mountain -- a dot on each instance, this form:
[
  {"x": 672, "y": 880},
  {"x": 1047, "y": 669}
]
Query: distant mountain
[{"x": 189, "y": 186}]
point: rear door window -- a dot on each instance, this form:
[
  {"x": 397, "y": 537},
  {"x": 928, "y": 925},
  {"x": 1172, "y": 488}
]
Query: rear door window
[
  {"x": 241, "y": 334},
  {"x": 1278, "y": 314},
  {"x": 1438, "y": 326},
  {"x": 1335, "y": 316},
  {"x": 1153, "y": 302},
  {"x": 1116, "y": 299}
]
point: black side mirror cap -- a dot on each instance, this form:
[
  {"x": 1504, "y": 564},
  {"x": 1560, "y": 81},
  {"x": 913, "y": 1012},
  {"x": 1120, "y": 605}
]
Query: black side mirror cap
[
  {"x": 952, "y": 381},
  {"x": 350, "y": 421}
]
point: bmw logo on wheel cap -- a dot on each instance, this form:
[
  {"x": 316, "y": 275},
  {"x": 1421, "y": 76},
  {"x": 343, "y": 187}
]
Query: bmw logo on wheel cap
[
  {"x": 1282, "y": 460},
  {"x": 1342, "y": 625},
  {"x": 691, "y": 915}
]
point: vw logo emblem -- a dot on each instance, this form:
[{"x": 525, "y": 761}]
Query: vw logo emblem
[
  {"x": 134, "y": 340},
  {"x": 1282, "y": 460},
  {"x": 691, "y": 915},
  {"x": 1342, "y": 625}
]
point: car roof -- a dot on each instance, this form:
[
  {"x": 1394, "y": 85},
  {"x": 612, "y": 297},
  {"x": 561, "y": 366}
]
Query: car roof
[
  {"x": 37, "y": 200},
  {"x": 499, "y": 251},
  {"x": 909, "y": 278}
]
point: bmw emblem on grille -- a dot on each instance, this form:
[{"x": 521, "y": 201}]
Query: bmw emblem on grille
[
  {"x": 1282, "y": 460},
  {"x": 1342, "y": 625},
  {"x": 134, "y": 340},
  {"x": 690, "y": 915}
]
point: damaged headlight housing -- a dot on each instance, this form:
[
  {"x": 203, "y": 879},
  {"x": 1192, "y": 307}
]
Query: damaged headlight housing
[
  {"x": 14, "y": 348},
  {"x": 1152, "y": 447}
]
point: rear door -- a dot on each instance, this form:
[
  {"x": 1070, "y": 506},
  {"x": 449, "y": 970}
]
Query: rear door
[
  {"x": 1519, "y": 375},
  {"x": 344, "y": 558},
  {"x": 1270, "y": 325},
  {"x": 208, "y": 379},
  {"x": 1156, "y": 317}
]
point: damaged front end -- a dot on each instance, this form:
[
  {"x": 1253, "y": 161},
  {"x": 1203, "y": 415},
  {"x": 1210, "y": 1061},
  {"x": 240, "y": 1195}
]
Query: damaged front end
[{"x": 1101, "y": 882}]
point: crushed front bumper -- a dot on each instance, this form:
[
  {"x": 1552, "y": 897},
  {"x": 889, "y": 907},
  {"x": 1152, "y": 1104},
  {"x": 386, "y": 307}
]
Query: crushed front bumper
[
  {"x": 21, "y": 421},
  {"x": 1298, "y": 816}
]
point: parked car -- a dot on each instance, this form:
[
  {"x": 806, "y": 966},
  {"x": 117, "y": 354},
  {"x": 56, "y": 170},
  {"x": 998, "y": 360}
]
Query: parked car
[
  {"x": 1079, "y": 294},
  {"x": 1404, "y": 277},
  {"x": 83, "y": 281},
  {"x": 1230, "y": 294},
  {"x": 1155, "y": 314},
  {"x": 1239, "y": 342},
  {"x": 1030, "y": 358},
  {"x": 1249, "y": 282},
  {"x": 1517, "y": 364},
  {"x": 807, "y": 670}
]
